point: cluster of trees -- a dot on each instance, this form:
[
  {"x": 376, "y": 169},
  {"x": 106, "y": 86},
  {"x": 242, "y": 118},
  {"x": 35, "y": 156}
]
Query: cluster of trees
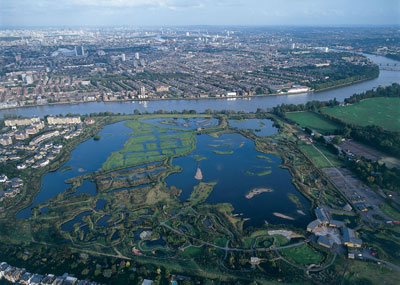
[
  {"x": 378, "y": 138},
  {"x": 373, "y": 173},
  {"x": 343, "y": 74},
  {"x": 388, "y": 91},
  {"x": 309, "y": 106}
]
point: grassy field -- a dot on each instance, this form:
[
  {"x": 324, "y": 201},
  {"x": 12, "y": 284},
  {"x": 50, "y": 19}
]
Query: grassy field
[
  {"x": 361, "y": 272},
  {"x": 318, "y": 159},
  {"x": 303, "y": 255},
  {"x": 383, "y": 112},
  {"x": 313, "y": 121}
]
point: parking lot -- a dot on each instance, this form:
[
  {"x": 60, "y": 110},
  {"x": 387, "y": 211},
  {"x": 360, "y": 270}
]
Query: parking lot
[{"x": 361, "y": 196}]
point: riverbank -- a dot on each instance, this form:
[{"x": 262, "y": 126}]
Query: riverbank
[
  {"x": 248, "y": 97},
  {"x": 346, "y": 84}
]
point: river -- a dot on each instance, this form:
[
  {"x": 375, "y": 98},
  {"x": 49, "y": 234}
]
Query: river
[{"x": 386, "y": 77}]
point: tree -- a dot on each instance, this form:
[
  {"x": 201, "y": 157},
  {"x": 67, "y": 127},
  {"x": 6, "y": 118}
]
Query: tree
[{"x": 337, "y": 140}]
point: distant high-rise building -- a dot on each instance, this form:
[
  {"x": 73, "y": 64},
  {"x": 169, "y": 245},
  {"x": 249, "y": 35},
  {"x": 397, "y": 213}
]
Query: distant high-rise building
[
  {"x": 79, "y": 51},
  {"x": 137, "y": 56},
  {"x": 142, "y": 90},
  {"x": 123, "y": 57}
]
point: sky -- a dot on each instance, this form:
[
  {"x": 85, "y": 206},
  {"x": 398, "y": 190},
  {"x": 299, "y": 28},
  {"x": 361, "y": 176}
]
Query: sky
[{"x": 29, "y": 13}]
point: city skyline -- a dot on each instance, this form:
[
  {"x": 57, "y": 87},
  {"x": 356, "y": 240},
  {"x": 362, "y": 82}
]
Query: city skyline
[{"x": 23, "y": 13}]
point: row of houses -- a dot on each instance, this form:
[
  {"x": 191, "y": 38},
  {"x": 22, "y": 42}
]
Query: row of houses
[
  {"x": 63, "y": 120},
  {"x": 21, "y": 122},
  {"x": 46, "y": 136},
  {"x": 21, "y": 276}
]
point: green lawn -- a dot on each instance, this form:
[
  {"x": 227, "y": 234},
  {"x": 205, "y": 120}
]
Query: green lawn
[
  {"x": 313, "y": 121},
  {"x": 382, "y": 111},
  {"x": 318, "y": 159},
  {"x": 302, "y": 255}
]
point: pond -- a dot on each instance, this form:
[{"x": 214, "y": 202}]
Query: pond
[
  {"x": 238, "y": 168},
  {"x": 261, "y": 127},
  {"x": 87, "y": 187},
  {"x": 69, "y": 226},
  {"x": 85, "y": 158}
]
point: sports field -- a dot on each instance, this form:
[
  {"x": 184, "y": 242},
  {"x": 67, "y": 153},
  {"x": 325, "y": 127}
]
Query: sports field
[
  {"x": 313, "y": 121},
  {"x": 381, "y": 111}
]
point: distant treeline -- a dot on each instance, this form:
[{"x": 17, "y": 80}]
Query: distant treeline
[
  {"x": 348, "y": 74},
  {"x": 388, "y": 91},
  {"x": 280, "y": 110},
  {"x": 394, "y": 56}
]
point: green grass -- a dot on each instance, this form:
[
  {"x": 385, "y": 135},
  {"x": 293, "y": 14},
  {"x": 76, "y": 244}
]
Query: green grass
[
  {"x": 361, "y": 272},
  {"x": 265, "y": 172},
  {"x": 313, "y": 121},
  {"x": 302, "y": 255},
  {"x": 266, "y": 158},
  {"x": 223, "y": 152},
  {"x": 295, "y": 200},
  {"x": 390, "y": 211},
  {"x": 143, "y": 147},
  {"x": 318, "y": 159},
  {"x": 199, "y": 157},
  {"x": 191, "y": 252},
  {"x": 151, "y": 146},
  {"x": 384, "y": 112},
  {"x": 201, "y": 192}
]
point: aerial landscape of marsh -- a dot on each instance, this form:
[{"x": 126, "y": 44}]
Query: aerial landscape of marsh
[{"x": 199, "y": 142}]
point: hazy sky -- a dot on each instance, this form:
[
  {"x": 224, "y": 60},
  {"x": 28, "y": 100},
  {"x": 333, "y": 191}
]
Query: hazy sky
[{"x": 198, "y": 12}]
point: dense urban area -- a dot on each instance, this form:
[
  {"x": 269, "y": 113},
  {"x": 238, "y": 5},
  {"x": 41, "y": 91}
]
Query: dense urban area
[
  {"x": 303, "y": 193},
  {"x": 62, "y": 66}
]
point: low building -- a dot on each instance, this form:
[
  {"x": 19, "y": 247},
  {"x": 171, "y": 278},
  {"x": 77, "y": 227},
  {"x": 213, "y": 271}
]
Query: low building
[
  {"x": 5, "y": 140},
  {"x": 254, "y": 260},
  {"x": 21, "y": 135},
  {"x": 31, "y": 130},
  {"x": 3, "y": 178},
  {"x": 321, "y": 215},
  {"x": 350, "y": 239},
  {"x": 21, "y": 122},
  {"x": 36, "y": 279},
  {"x": 44, "y": 137},
  {"x": 21, "y": 166},
  {"x": 162, "y": 89},
  {"x": 48, "y": 280},
  {"x": 314, "y": 226},
  {"x": 25, "y": 278},
  {"x": 324, "y": 241},
  {"x": 63, "y": 120},
  {"x": 89, "y": 121},
  {"x": 336, "y": 224}
]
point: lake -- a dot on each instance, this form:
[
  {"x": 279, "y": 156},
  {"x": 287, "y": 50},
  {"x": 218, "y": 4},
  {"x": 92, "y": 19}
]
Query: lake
[{"x": 238, "y": 173}]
